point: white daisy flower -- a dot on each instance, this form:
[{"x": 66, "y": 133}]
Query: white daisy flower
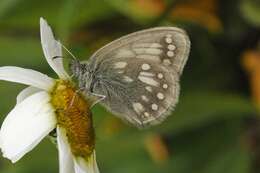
[{"x": 49, "y": 104}]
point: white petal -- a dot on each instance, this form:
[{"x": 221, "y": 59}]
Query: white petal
[
  {"x": 89, "y": 166},
  {"x": 65, "y": 156},
  {"x": 26, "y": 93},
  {"x": 52, "y": 48},
  {"x": 26, "y": 76},
  {"x": 26, "y": 125}
]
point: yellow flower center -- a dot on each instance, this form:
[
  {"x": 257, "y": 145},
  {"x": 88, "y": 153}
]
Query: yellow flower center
[{"x": 74, "y": 115}]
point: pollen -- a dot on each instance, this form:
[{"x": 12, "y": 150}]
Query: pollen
[{"x": 74, "y": 115}]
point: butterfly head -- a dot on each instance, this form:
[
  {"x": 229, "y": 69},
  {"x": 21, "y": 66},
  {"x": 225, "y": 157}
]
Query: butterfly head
[
  {"x": 75, "y": 67},
  {"x": 82, "y": 72}
]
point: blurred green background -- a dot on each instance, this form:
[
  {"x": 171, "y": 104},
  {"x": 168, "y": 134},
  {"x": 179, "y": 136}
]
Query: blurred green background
[{"x": 215, "y": 127}]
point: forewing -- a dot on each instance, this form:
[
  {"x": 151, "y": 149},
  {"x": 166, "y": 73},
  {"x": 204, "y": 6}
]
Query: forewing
[
  {"x": 168, "y": 46},
  {"x": 139, "y": 74}
]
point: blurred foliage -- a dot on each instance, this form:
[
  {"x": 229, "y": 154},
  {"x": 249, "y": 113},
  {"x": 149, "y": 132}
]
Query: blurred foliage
[
  {"x": 250, "y": 10},
  {"x": 251, "y": 63},
  {"x": 215, "y": 127}
]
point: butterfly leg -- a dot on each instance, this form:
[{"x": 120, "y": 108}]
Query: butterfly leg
[
  {"x": 74, "y": 96},
  {"x": 99, "y": 98}
]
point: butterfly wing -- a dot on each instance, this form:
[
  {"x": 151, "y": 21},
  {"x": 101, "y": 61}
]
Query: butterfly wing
[{"x": 139, "y": 74}]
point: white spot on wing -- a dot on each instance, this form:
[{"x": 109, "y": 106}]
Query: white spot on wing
[
  {"x": 160, "y": 96},
  {"x": 147, "y": 45},
  {"x": 160, "y": 75},
  {"x": 165, "y": 86},
  {"x": 123, "y": 53},
  {"x": 149, "y": 88},
  {"x": 171, "y": 47},
  {"x": 148, "y": 80},
  {"x": 120, "y": 64},
  {"x": 156, "y": 45},
  {"x": 146, "y": 67},
  {"x": 144, "y": 98},
  {"x": 143, "y": 73},
  {"x": 146, "y": 114},
  {"x": 153, "y": 51},
  {"x": 128, "y": 79},
  {"x": 154, "y": 107},
  {"x": 166, "y": 62},
  {"x": 168, "y": 40},
  {"x": 170, "y": 53},
  {"x": 138, "y": 107},
  {"x": 149, "y": 57}
]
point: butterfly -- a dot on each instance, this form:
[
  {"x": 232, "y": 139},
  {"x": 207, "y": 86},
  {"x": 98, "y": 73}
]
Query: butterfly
[{"x": 137, "y": 76}]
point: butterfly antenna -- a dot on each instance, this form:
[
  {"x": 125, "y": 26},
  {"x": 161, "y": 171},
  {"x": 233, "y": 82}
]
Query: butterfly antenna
[{"x": 68, "y": 51}]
